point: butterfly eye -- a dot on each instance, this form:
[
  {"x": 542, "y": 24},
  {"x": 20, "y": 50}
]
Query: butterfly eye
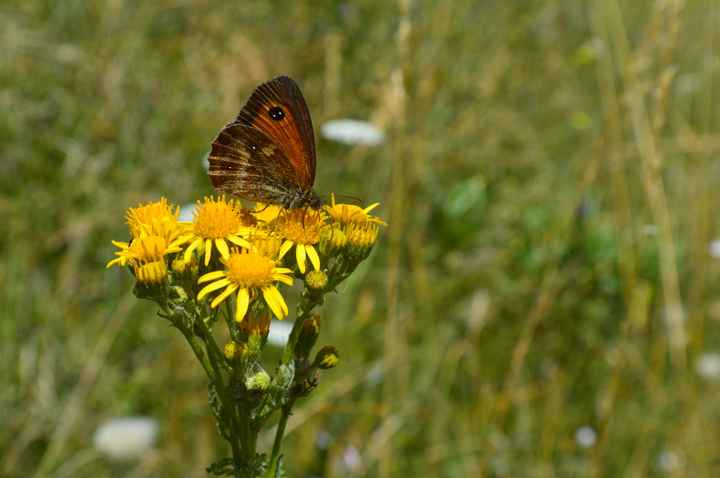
[{"x": 276, "y": 113}]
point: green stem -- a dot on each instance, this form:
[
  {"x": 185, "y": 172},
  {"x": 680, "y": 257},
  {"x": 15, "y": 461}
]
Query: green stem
[
  {"x": 275, "y": 455},
  {"x": 199, "y": 353},
  {"x": 192, "y": 340},
  {"x": 239, "y": 425},
  {"x": 306, "y": 306}
]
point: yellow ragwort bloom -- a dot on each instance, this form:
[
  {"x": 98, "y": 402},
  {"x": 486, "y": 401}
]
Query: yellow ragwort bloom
[
  {"x": 352, "y": 214},
  {"x": 151, "y": 272},
  {"x": 361, "y": 235},
  {"x": 246, "y": 272},
  {"x": 266, "y": 243},
  {"x": 266, "y": 213},
  {"x": 332, "y": 239},
  {"x": 155, "y": 218},
  {"x": 301, "y": 228},
  {"x": 146, "y": 255},
  {"x": 217, "y": 222}
]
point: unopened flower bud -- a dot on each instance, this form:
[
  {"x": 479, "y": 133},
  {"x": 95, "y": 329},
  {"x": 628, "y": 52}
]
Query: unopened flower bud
[
  {"x": 151, "y": 272},
  {"x": 258, "y": 381},
  {"x": 230, "y": 350},
  {"x": 332, "y": 239},
  {"x": 361, "y": 237},
  {"x": 308, "y": 336},
  {"x": 327, "y": 358},
  {"x": 180, "y": 265},
  {"x": 256, "y": 324},
  {"x": 254, "y": 344},
  {"x": 316, "y": 279}
]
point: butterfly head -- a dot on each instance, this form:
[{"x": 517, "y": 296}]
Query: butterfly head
[{"x": 303, "y": 199}]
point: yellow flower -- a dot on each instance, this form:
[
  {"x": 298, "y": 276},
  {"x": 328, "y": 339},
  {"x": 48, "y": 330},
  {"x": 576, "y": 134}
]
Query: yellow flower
[
  {"x": 246, "y": 273},
  {"x": 151, "y": 272},
  {"x": 362, "y": 236},
  {"x": 142, "y": 249},
  {"x": 351, "y": 214},
  {"x": 266, "y": 213},
  {"x": 301, "y": 228},
  {"x": 146, "y": 255},
  {"x": 266, "y": 243},
  {"x": 217, "y": 222},
  {"x": 155, "y": 218},
  {"x": 332, "y": 239}
]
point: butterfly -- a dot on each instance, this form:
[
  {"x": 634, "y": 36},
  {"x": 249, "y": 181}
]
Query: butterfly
[{"x": 267, "y": 154}]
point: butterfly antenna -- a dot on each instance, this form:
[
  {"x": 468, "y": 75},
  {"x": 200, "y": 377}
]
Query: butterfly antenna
[
  {"x": 345, "y": 197},
  {"x": 267, "y": 205}
]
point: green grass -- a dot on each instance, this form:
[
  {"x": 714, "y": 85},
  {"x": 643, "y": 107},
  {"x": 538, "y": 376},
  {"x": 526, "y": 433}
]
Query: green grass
[{"x": 550, "y": 181}]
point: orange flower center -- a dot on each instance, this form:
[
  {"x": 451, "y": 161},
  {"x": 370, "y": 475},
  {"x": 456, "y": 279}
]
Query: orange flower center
[
  {"x": 301, "y": 226},
  {"x": 159, "y": 214},
  {"x": 250, "y": 269},
  {"x": 215, "y": 219}
]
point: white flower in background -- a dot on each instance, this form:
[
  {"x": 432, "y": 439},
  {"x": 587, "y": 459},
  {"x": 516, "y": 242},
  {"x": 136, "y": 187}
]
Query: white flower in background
[
  {"x": 585, "y": 436},
  {"x": 375, "y": 374},
  {"x": 352, "y": 131},
  {"x": 279, "y": 332},
  {"x": 708, "y": 366},
  {"x": 187, "y": 213},
  {"x": 126, "y": 438},
  {"x": 323, "y": 440},
  {"x": 714, "y": 248},
  {"x": 649, "y": 230},
  {"x": 669, "y": 461},
  {"x": 351, "y": 459},
  {"x": 206, "y": 161}
]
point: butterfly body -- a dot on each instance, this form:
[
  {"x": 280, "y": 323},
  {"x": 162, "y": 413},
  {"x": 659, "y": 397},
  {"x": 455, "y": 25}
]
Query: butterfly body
[{"x": 267, "y": 154}]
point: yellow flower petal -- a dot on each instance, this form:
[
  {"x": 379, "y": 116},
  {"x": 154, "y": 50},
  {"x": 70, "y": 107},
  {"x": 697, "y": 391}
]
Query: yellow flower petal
[
  {"x": 283, "y": 270},
  {"x": 287, "y": 245},
  {"x": 121, "y": 245},
  {"x": 191, "y": 248},
  {"x": 241, "y": 307},
  {"x": 275, "y": 301},
  {"x": 211, "y": 276},
  {"x": 285, "y": 279},
  {"x": 239, "y": 241},
  {"x": 212, "y": 287},
  {"x": 371, "y": 207},
  {"x": 228, "y": 290},
  {"x": 181, "y": 240},
  {"x": 313, "y": 255},
  {"x": 208, "y": 251},
  {"x": 300, "y": 256},
  {"x": 222, "y": 247}
]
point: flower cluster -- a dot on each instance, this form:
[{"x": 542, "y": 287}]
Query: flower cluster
[
  {"x": 239, "y": 264},
  {"x": 243, "y": 253}
]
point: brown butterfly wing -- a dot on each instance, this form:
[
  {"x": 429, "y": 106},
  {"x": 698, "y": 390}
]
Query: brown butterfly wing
[
  {"x": 278, "y": 109},
  {"x": 246, "y": 162}
]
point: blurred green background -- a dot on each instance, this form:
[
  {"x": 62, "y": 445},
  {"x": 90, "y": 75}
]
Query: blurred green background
[{"x": 544, "y": 302}]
